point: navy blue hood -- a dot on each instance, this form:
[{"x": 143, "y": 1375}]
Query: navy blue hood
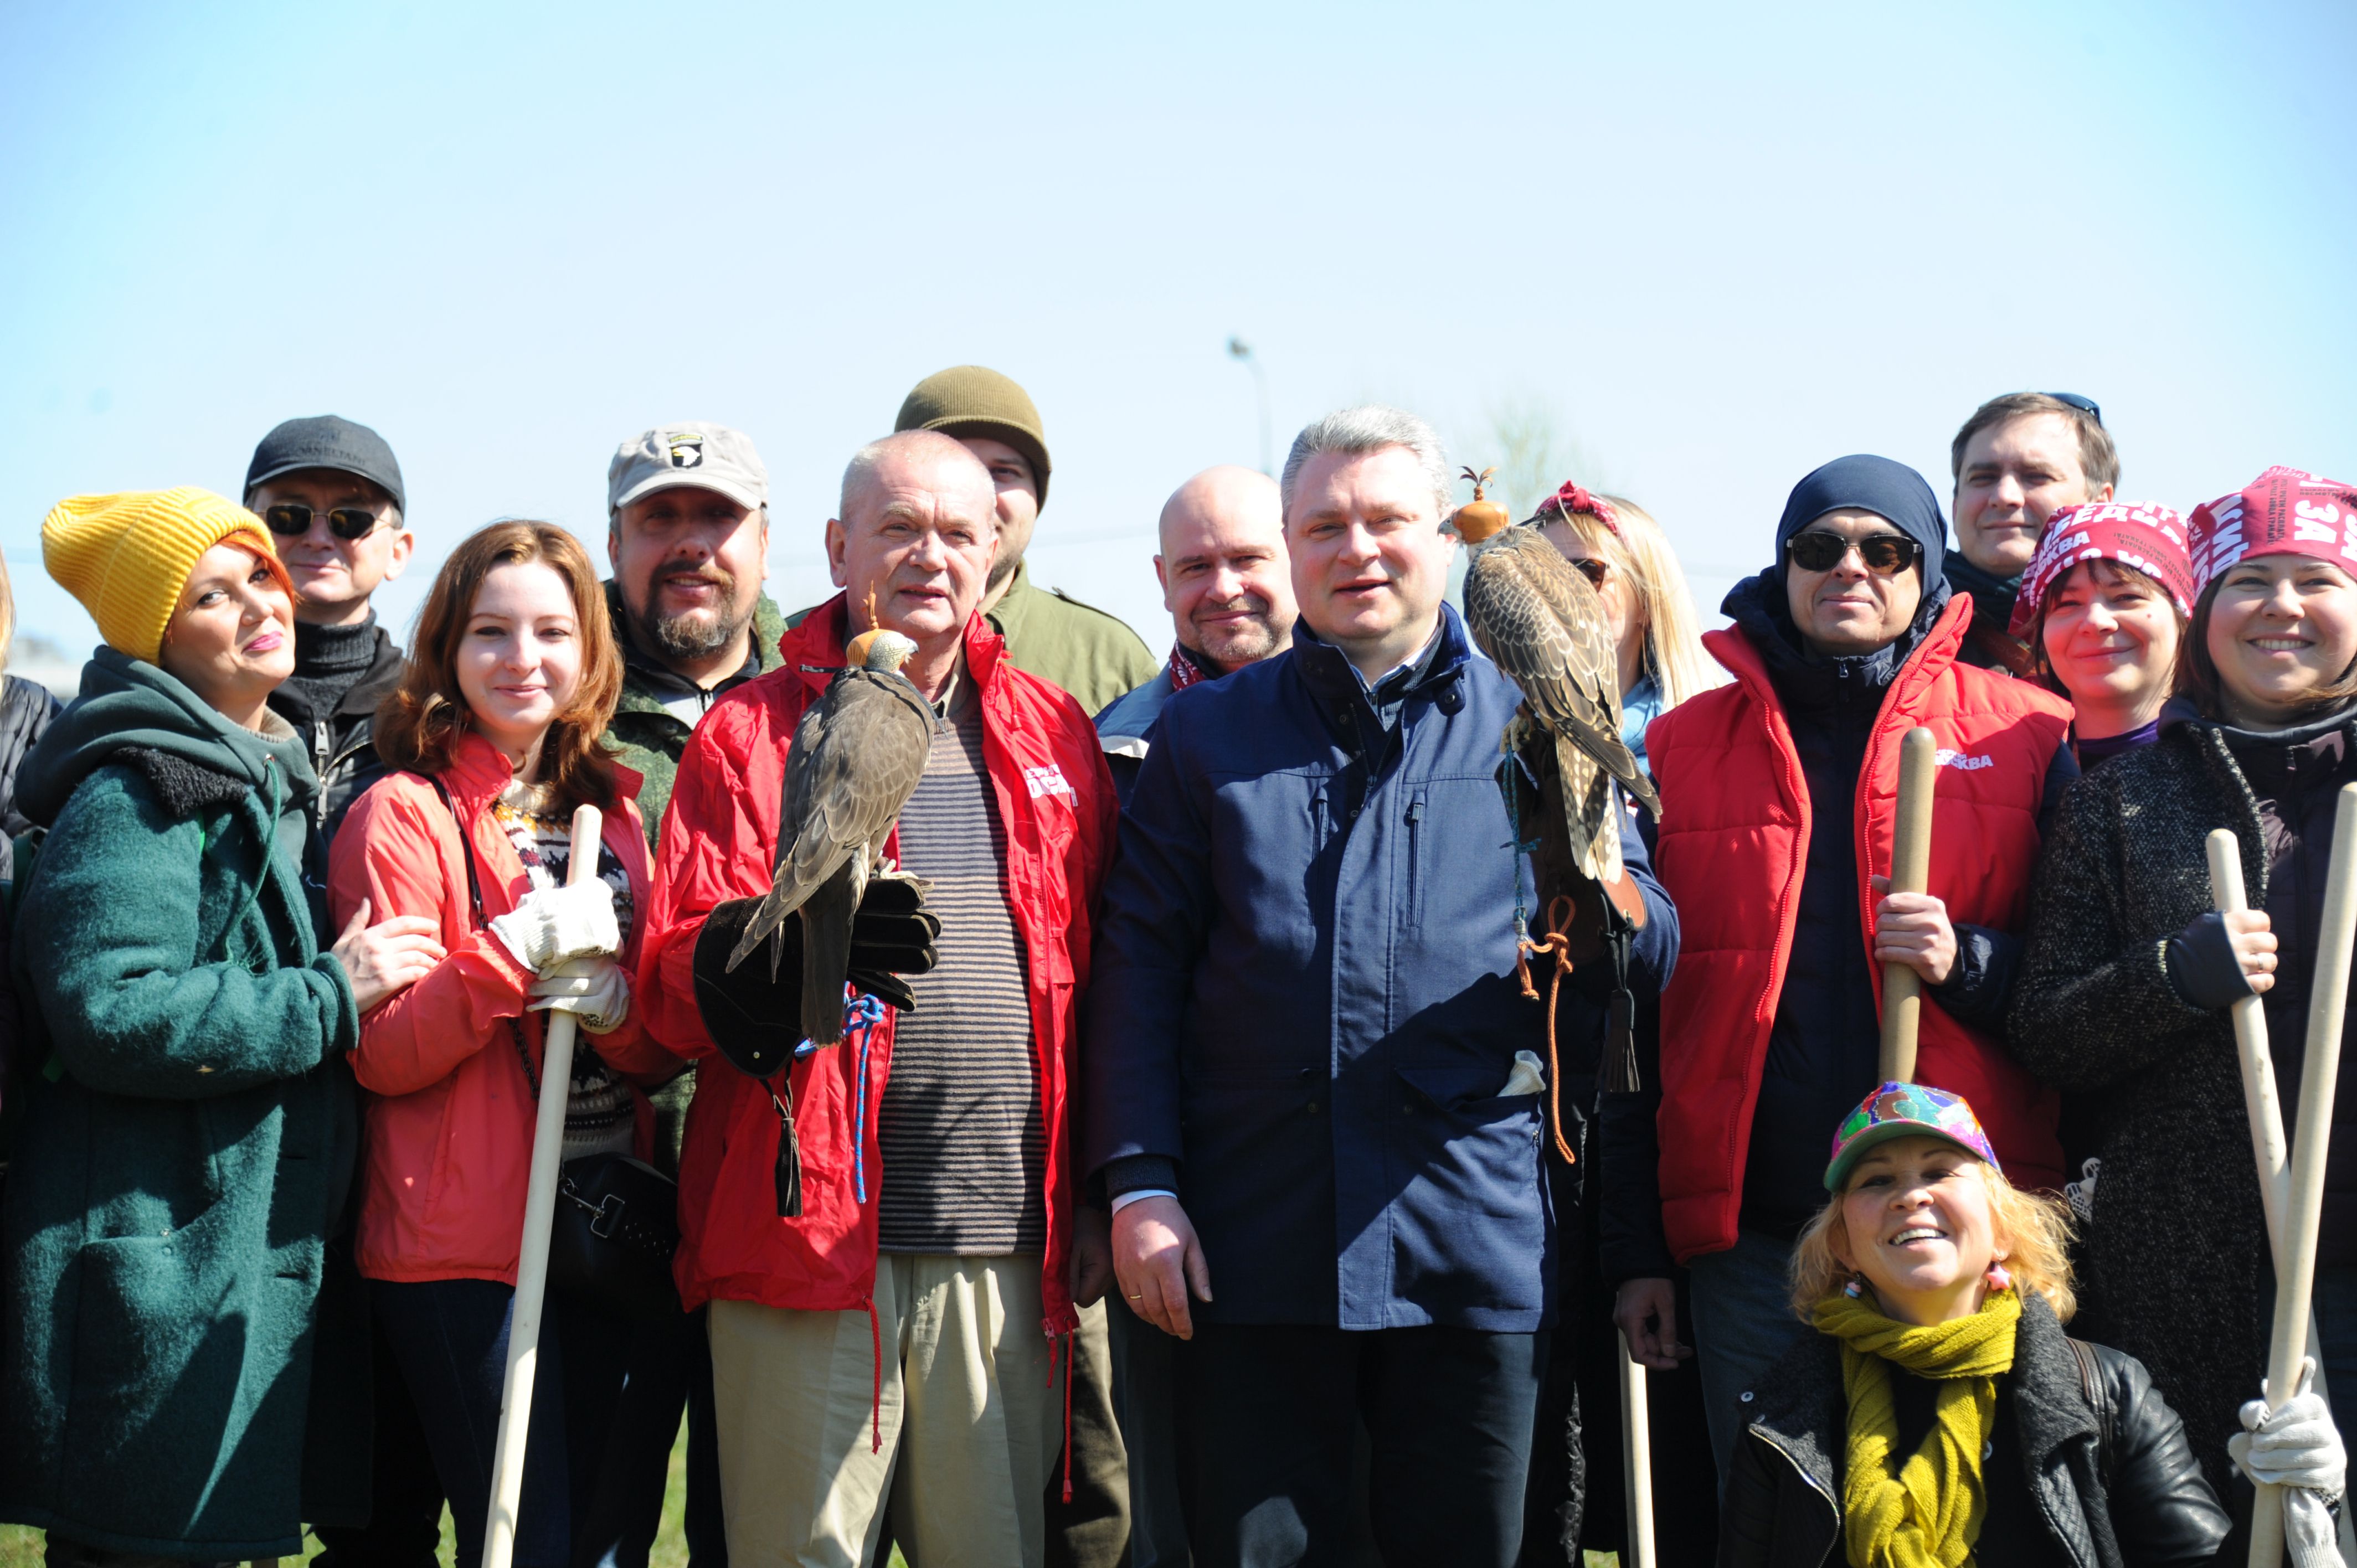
[{"x": 1877, "y": 485}]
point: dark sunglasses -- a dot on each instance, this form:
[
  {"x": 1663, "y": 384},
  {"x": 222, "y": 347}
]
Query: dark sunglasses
[
  {"x": 2085, "y": 405},
  {"x": 1885, "y": 554},
  {"x": 294, "y": 517},
  {"x": 1595, "y": 571}
]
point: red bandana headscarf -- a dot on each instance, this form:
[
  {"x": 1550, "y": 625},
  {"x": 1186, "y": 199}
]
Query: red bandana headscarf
[
  {"x": 1570, "y": 498},
  {"x": 2282, "y": 512},
  {"x": 2135, "y": 533}
]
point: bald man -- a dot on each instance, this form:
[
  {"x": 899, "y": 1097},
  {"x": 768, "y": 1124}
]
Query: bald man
[{"x": 1229, "y": 589}]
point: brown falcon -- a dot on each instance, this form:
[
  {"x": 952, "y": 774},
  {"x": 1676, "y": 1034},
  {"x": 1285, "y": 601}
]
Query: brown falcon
[
  {"x": 1545, "y": 628},
  {"x": 858, "y": 755}
]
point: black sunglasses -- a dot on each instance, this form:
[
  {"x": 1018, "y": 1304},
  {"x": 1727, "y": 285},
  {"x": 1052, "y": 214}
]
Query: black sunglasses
[
  {"x": 1885, "y": 554},
  {"x": 1595, "y": 571},
  {"x": 2085, "y": 405},
  {"x": 294, "y": 517}
]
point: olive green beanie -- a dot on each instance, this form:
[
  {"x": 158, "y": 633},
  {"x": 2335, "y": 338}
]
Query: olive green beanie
[{"x": 968, "y": 400}]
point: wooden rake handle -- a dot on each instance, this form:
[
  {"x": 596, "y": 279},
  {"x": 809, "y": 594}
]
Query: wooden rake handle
[
  {"x": 1910, "y": 872},
  {"x": 532, "y": 1260}
]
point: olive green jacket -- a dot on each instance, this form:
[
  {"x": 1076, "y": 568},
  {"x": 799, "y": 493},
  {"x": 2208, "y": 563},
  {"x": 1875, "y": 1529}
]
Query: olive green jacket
[{"x": 649, "y": 737}]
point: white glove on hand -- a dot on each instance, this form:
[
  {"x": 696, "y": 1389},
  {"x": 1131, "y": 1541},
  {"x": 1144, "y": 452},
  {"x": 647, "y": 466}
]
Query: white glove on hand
[
  {"x": 2296, "y": 1445},
  {"x": 553, "y": 924},
  {"x": 595, "y": 990}
]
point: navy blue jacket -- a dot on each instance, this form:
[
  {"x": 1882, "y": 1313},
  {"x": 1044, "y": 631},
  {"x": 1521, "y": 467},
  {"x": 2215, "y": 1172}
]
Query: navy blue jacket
[{"x": 1305, "y": 999}]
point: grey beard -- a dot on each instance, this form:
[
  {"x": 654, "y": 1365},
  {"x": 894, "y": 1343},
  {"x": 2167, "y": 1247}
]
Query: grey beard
[{"x": 681, "y": 638}]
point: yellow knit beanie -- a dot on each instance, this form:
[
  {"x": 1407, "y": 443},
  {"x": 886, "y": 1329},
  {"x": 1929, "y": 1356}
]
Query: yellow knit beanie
[{"x": 127, "y": 556}]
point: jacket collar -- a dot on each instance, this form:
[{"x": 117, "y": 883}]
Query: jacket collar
[
  {"x": 815, "y": 648},
  {"x": 1760, "y": 653},
  {"x": 1326, "y": 670},
  {"x": 1803, "y": 1413},
  {"x": 477, "y": 774}
]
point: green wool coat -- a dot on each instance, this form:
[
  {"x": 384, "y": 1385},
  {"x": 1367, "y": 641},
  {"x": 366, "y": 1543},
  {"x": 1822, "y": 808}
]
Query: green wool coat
[{"x": 181, "y": 1369}]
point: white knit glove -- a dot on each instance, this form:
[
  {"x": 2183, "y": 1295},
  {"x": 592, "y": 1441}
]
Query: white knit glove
[
  {"x": 595, "y": 990},
  {"x": 553, "y": 924},
  {"x": 2295, "y": 1446}
]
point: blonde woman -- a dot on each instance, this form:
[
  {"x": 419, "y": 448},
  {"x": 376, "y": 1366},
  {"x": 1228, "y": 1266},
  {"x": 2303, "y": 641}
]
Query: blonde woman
[
  {"x": 1622, "y": 551},
  {"x": 1940, "y": 1415}
]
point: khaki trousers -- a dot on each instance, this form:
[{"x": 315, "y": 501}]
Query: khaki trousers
[{"x": 972, "y": 1418}]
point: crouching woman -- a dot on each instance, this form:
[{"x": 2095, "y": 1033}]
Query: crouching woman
[
  {"x": 1940, "y": 1415},
  {"x": 183, "y": 1360}
]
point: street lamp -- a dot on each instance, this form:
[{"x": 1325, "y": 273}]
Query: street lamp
[{"x": 1239, "y": 349}]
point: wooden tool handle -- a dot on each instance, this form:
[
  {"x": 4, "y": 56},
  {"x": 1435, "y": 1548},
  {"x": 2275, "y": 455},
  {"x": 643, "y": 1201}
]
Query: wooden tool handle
[
  {"x": 1636, "y": 1461},
  {"x": 1910, "y": 872},
  {"x": 532, "y": 1259},
  {"x": 2319, "y": 1076},
  {"x": 2250, "y": 1015}
]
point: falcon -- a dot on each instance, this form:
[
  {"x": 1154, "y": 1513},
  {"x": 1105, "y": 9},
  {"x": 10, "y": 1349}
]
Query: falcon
[
  {"x": 858, "y": 755},
  {"x": 1542, "y": 624}
]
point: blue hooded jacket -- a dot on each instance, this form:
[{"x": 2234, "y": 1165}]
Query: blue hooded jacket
[{"x": 1305, "y": 1005}]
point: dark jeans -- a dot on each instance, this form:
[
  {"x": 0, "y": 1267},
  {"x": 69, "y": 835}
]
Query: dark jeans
[
  {"x": 450, "y": 1338},
  {"x": 1267, "y": 1415},
  {"x": 670, "y": 1367},
  {"x": 404, "y": 1527}
]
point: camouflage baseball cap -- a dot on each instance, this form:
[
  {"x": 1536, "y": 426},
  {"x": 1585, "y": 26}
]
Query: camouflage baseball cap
[{"x": 1906, "y": 1111}]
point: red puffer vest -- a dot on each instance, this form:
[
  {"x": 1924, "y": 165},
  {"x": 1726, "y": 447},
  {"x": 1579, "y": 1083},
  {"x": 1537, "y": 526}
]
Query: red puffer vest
[{"x": 1733, "y": 849}]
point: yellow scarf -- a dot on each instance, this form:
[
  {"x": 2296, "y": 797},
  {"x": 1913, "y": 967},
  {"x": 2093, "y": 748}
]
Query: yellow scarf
[{"x": 1928, "y": 1511}]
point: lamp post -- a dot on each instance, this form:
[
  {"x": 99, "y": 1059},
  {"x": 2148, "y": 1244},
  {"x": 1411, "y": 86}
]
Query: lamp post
[{"x": 1239, "y": 349}]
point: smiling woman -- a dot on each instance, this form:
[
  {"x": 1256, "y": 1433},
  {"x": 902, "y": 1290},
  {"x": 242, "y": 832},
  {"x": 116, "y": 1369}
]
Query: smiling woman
[{"x": 1940, "y": 1401}]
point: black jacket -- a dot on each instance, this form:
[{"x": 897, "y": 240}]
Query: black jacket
[
  {"x": 2089, "y": 1469},
  {"x": 2175, "y": 1260},
  {"x": 26, "y": 710},
  {"x": 342, "y": 740}
]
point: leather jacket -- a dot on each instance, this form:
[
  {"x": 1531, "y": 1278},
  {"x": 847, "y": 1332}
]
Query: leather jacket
[{"x": 2104, "y": 1459}]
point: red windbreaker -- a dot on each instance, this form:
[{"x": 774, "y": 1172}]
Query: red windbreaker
[
  {"x": 720, "y": 842},
  {"x": 451, "y": 1105},
  {"x": 1733, "y": 849}
]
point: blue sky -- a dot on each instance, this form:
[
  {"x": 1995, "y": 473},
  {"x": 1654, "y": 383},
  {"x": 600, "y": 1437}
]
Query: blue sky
[{"x": 1712, "y": 246}]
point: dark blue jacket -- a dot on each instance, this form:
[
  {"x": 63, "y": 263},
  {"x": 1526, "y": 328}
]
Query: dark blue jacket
[{"x": 1305, "y": 998}]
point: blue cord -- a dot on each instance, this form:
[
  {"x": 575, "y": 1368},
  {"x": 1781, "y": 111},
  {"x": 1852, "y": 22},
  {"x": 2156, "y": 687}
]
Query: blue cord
[{"x": 861, "y": 1012}]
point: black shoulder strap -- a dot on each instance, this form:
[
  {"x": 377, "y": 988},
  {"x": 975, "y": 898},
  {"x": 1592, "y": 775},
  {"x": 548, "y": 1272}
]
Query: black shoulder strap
[
  {"x": 2091, "y": 1386},
  {"x": 465, "y": 849}
]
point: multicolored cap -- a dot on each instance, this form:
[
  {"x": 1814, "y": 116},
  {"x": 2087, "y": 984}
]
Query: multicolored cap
[
  {"x": 2141, "y": 535},
  {"x": 1906, "y": 1111}
]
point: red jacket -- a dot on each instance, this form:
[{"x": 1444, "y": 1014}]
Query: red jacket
[
  {"x": 719, "y": 841},
  {"x": 450, "y": 1110},
  {"x": 1733, "y": 847}
]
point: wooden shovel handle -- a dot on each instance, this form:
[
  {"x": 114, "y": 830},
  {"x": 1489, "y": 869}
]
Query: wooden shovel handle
[{"x": 1910, "y": 872}]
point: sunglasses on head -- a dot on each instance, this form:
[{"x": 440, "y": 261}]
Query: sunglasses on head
[
  {"x": 1885, "y": 554},
  {"x": 2085, "y": 405},
  {"x": 292, "y": 518}
]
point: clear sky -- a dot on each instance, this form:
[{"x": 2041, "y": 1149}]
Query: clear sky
[{"x": 1710, "y": 246}]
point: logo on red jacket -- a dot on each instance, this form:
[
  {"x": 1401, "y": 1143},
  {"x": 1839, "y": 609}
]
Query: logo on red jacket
[{"x": 1049, "y": 780}]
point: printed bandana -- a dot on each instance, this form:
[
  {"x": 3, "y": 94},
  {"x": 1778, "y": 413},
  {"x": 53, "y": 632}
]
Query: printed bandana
[
  {"x": 2141, "y": 535},
  {"x": 2282, "y": 512}
]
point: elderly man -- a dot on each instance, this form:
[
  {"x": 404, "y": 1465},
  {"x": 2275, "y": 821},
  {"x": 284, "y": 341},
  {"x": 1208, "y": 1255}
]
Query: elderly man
[
  {"x": 1049, "y": 633},
  {"x": 1229, "y": 589},
  {"x": 331, "y": 492},
  {"x": 1303, "y": 1097},
  {"x": 916, "y": 1311},
  {"x": 2017, "y": 459}
]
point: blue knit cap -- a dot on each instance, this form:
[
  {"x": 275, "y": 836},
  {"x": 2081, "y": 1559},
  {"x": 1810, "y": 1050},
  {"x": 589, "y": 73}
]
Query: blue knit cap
[{"x": 1877, "y": 485}]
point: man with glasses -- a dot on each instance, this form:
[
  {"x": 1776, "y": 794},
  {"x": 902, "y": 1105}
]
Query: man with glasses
[
  {"x": 332, "y": 493},
  {"x": 1777, "y": 797},
  {"x": 2017, "y": 459}
]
